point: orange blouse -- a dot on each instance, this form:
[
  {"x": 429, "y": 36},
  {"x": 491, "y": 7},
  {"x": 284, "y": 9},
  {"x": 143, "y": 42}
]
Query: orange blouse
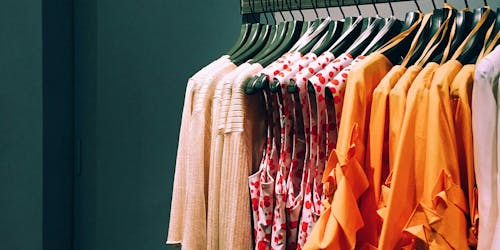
[
  {"x": 397, "y": 104},
  {"x": 403, "y": 198},
  {"x": 378, "y": 141},
  {"x": 461, "y": 92},
  {"x": 441, "y": 188},
  {"x": 345, "y": 175}
]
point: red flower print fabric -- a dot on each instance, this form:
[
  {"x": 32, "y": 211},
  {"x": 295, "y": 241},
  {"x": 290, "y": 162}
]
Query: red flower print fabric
[
  {"x": 262, "y": 182},
  {"x": 337, "y": 87},
  {"x": 282, "y": 65},
  {"x": 279, "y": 220},
  {"x": 307, "y": 219},
  {"x": 318, "y": 81},
  {"x": 290, "y": 70}
]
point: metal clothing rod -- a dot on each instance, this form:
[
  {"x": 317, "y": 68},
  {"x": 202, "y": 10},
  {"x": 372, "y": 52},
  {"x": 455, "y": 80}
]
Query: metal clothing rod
[{"x": 258, "y": 6}]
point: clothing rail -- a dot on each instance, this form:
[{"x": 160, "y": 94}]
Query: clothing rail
[{"x": 263, "y": 6}]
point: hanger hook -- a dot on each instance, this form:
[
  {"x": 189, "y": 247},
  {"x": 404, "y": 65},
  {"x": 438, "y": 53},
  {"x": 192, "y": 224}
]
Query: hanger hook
[
  {"x": 390, "y": 6},
  {"x": 271, "y": 10},
  {"x": 340, "y": 7},
  {"x": 485, "y": 3},
  {"x": 279, "y": 10},
  {"x": 300, "y": 9},
  {"x": 252, "y": 8},
  {"x": 314, "y": 8},
  {"x": 466, "y": 4},
  {"x": 326, "y": 6},
  {"x": 289, "y": 3},
  {"x": 418, "y": 6},
  {"x": 375, "y": 7},
  {"x": 357, "y": 7},
  {"x": 265, "y": 11},
  {"x": 433, "y": 4}
]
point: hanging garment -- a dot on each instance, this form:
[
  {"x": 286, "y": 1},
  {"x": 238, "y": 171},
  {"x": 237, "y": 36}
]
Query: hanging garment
[
  {"x": 296, "y": 179},
  {"x": 397, "y": 106},
  {"x": 243, "y": 140},
  {"x": 318, "y": 82},
  {"x": 403, "y": 199},
  {"x": 261, "y": 183},
  {"x": 341, "y": 219},
  {"x": 441, "y": 188},
  {"x": 484, "y": 128},
  {"x": 376, "y": 157},
  {"x": 336, "y": 86},
  {"x": 378, "y": 135},
  {"x": 182, "y": 216},
  {"x": 409, "y": 199},
  {"x": 298, "y": 176},
  {"x": 461, "y": 92},
  {"x": 179, "y": 188},
  {"x": 285, "y": 107},
  {"x": 199, "y": 161},
  {"x": 344, "y": 178},
  {"x": 216, "y": 147},
  {"x": 308, "y": 217},
  {"x": 305, "y": 191},
  {"x": 275, "y": 68},
  {"x": 379, "y": 154}
]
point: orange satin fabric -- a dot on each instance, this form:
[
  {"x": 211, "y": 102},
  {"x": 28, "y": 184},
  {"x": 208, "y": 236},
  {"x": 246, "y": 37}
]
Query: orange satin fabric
[{"x": 344, "y": 176}]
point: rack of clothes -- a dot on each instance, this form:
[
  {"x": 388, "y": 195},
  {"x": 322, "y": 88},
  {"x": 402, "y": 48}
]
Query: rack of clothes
[{"x": 353, "y": 133}]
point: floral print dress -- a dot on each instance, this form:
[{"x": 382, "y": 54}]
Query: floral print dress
[
  {"x": 307, "y": 219},
  {"x": 318, "y": 82}
]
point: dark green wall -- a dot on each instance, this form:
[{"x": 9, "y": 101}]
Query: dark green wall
[
  {"x": 125, "y": 66},
  {"x": 21, "y": 129},
  {"x": 36, "y": 128},
  {"x": 133, "y": 59},
  {"x": 58, "y": 124}
]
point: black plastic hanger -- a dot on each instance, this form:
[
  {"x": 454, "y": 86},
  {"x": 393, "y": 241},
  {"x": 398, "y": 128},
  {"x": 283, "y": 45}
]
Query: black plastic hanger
[
  {"x": 291, "y": 36},
  {"x": 308, "y": 46},
  {"x": 496, "y": 29},
  {"x": 272, "y": 35},
  {"x": 464, "y": 24},
  {"x": 244, "y": 32},
  {"x": 350, "y": 36},
  {"x": 366, "y": 37},
  {"x": 246, "y": 53},
  {"x": 276, "y": 40},
  {"x": 257, "y": 46},
  {"x": 252, "y": 37},
  {"x": 391, "y": 29},
  {"x": 395, "y": 54},
  {"x": 475, "y": 44},
  {"x": 333, "y": 33},
  {"x": 437, "y": 19}
]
